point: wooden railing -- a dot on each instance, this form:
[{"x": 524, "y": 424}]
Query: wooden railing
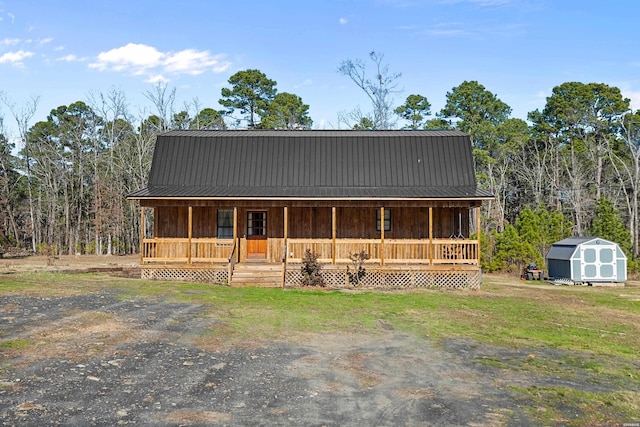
[
  {"x": 178, "y": 250},
  {"x": 440, "y": 251},
  {"x": 391, "y": 251}
]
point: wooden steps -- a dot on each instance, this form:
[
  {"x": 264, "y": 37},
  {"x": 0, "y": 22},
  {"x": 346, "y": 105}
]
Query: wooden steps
[{"x": 261, "y": 274}]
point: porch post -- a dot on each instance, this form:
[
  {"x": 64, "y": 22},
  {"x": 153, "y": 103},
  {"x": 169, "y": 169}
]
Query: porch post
[
  {"x": 333, "y": 235},
  {"x": 286, "y": 234},
  {"x": 190, "y": 235},
  {"x": 430, "y": 235},
  {"x": 141, "y": 234},
  {"x": 381, "y": 235},
  {"x": 235, "y": 232},
  {"x": 478, "y": 231},
  {"x": 286, "y": 245}
]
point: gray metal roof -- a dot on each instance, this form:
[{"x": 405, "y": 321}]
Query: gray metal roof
[
  {"x": 312, "y": 164},
  {"x": 564, "y": 249}
]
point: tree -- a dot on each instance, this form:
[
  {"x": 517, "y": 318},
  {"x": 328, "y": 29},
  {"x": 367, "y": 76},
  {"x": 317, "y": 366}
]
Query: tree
[
  {"x": 209, "y": 119},
  {"x": 477, "y": 110},
  {"x": 23, "y": 116},
  {"x": 10, "y": 192},
  {"x": 437, "y": 123},
  {"x": 512, "y": 252},
  {"x": 163, "y": 100},
  {"x": 251, "y": 93},
  {"x": 380, "y": 90},
  {"x": 415, "y": 109},
  {"x": 625, "y": 159},
  {"x": 479, "y": 113},
  {"x": 581, "y": 120},
  {"x": 541, "y": 228},
  {"x": 286, "y": 111},
  {"x": 364, "y": 124},
  {"x": 608, "y": 225}
]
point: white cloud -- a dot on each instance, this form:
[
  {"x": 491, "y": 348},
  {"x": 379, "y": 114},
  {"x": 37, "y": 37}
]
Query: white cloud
[
  {"x": 140, "y": 59},
  {"x": 9, "y": 42},
  {"x": 15, "y": 58},
  {"x": 133, "y": 58},
  {"x": 343, "y": 21},
  {"x": 71, "y": 58},
  {"x": 12, "y": 16},
  {"x": 46, "y": 40},
  {"x": 306, "y": 82},
  {"x": 157, "y": 78},
  {"x": 634, "y": 97},
  {"x": 191, "y": 61}
]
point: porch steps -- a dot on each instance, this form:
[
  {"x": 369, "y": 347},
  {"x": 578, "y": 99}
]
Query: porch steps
[{"x": 259, "y": 274}]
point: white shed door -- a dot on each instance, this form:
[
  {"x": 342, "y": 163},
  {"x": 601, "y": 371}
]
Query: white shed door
[{"x": 598, "y": 262}]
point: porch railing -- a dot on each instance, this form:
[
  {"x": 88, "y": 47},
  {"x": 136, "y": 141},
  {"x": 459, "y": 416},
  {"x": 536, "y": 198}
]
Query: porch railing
[
  {"x": 405, "y": 251},
  {"x": 208, "y": 250},
  {"x": 391, "y": 251}
]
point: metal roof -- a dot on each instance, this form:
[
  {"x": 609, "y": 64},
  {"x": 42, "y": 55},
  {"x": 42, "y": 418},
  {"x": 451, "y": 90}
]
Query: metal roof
[
  {"x": 312, "y": 164},
  {"x": 564, "y": 249}
]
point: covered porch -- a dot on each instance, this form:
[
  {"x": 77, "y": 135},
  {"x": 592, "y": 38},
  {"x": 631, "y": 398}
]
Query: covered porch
[{"x": 406, "y": 236}]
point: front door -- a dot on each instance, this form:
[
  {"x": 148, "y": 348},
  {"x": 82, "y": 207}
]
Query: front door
[{"x": 256, "y": 235}]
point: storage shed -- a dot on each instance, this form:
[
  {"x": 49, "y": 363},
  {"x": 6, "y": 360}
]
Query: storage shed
[{"x": 587, "y": 260}]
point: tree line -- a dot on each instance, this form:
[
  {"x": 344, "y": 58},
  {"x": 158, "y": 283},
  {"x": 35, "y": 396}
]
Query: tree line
[{"x": 571, "y": 168}]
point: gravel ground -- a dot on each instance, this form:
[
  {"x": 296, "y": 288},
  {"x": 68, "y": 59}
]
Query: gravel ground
[{"x": 95, "y": 359}]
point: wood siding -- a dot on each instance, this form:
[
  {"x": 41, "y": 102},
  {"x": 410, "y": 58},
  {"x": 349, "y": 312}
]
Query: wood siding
[{"x": 315, "y": 222}]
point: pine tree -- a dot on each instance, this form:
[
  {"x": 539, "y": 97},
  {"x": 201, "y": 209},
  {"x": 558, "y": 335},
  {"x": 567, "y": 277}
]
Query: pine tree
[{"x": 608, "y": 225}]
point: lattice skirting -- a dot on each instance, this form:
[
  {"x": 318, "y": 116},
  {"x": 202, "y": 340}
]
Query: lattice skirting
[
  {"x": 205, "y": 275},
  {"x": 394, "y": 278}
]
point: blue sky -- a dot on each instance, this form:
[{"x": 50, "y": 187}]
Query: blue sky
[{"x": 62, "y": 51}]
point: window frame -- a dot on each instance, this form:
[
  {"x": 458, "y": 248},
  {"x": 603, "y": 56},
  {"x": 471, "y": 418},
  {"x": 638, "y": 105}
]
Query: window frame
[
  {"x": 387, "y": 219},
  {"x": 224, "y": 231}
]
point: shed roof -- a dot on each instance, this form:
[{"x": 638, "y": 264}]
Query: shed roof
[
  {"x": 313, "y": 164},
  {"x": 565, "y": 248}
]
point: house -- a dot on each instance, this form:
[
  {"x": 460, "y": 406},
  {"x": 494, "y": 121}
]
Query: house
[
  {"x": 589, "y": 260},
  {"x": 221, "y": 203}
]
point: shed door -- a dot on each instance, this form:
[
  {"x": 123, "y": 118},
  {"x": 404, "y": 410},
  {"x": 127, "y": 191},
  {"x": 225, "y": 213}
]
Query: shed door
[
  {"x": 257, "y": 235},
  {"x": 598, "y": 263}
]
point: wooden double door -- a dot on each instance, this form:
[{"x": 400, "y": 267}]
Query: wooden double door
[{"x": 256, "y": 234}]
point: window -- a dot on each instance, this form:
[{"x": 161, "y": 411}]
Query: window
[
  {"x": 387, "y": 220},
  {"x": 256, "y": 223},
  {"x": 225, "y": 223}
]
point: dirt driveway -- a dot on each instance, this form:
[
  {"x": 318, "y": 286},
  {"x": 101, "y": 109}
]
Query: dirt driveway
[{"x": 101, "y": 360}]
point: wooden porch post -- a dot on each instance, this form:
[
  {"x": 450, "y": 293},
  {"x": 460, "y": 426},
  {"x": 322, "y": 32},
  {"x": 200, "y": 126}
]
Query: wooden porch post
[
  {"x": 235, "y": 233},
  {"x": 190, "y": 235},
  {"x": 430, "y": 235},
  {"x": 333, "y": 235},
  {"x": 141, "y": 234},
  {"x": 381, "y": 235},
  {"x": 286, "y": 245},
  {"x": 478, "y": 231},
  {"x": 286, "y": 234}
]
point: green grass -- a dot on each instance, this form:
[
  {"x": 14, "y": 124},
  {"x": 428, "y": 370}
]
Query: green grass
[
  {"x": 600, "y": 321},
  {"x": 592, "y": 332},
  {"x": 563, "y": 406},
  {"x": 14, "y": 344}
]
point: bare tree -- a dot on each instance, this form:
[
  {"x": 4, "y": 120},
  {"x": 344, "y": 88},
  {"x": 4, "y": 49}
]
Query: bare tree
[
  {"x": 380, "y": 89},
  {"x": 23, "y": 115},
  {"x": 625, "y": 159},
  {"x": 163, "y": 99}
]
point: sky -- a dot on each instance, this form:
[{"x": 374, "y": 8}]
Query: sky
[{"x": 67, "y": 51}]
